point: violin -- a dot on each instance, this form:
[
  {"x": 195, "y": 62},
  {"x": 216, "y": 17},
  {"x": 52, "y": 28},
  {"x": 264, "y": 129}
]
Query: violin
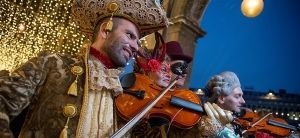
[
  {"x": 132, "y": 101},
  {"x": 251, "y": 122}
]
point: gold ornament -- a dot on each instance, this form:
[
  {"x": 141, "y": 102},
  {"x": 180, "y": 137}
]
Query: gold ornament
[
  {"x": 112, "y": 7},
  {"x": 69, "y": 111},
  {"x": 76, "y": 70}
]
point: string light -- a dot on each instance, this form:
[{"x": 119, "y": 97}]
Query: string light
[
  {"x": 144, "y": 42},
  {"x": 31, "y": 26},
  {"x": 22, "y": 27}
]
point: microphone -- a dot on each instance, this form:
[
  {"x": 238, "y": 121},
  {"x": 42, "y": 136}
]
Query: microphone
[{"x": 179, "y": 68}]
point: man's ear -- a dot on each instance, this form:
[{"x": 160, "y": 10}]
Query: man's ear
[
  {"x": 221, "y": 99},
  {"x": 102, "y": 30}
]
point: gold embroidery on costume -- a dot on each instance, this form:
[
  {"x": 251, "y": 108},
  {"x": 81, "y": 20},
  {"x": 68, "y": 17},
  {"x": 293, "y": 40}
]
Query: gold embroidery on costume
[
  {"x": 69, "y": 111},
  {"x": 79, "y": 131},
  {"x": 76, "y": 70}
]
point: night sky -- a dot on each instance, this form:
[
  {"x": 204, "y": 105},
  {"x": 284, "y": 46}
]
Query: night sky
[{"x": 263, "y": 51}]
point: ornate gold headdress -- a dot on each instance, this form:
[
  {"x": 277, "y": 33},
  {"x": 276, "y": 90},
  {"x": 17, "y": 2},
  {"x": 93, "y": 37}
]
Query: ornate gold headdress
[{"x": 148, "y": 15}]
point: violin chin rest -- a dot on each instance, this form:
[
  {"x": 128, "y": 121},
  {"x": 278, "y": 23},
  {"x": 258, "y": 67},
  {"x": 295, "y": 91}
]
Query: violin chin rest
[
  {"x": 127, "y": 80},
  {"x": 158, "y": 121}
]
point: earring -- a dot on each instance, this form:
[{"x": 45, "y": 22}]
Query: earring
[
  {"x": 113, "y": 7},
  {"x": 109, "y": 24}
]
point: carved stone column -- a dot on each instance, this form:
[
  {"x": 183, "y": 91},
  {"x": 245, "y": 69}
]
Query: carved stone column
[{"x": 186, "y": 16}]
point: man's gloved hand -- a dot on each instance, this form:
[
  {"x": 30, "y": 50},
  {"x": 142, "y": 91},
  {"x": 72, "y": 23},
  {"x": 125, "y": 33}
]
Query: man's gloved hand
[{"x": 216, "y": 113}]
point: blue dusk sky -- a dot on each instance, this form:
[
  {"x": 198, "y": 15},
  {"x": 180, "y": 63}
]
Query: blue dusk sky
[{"x": 263, "y": 51}]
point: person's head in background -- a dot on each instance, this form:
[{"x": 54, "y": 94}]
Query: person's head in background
[
  {"x": 161, "y": 75},
  {"x": 175, "y": 55},
  {"x": 153, "y": 64},
  {"x": 225, "y": 90}
]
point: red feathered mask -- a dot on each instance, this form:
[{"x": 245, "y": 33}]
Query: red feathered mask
[{"x": 151, "y": 61}]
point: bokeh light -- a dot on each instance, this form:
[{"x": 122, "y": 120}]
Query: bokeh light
[{"x": 31, "y": 26}]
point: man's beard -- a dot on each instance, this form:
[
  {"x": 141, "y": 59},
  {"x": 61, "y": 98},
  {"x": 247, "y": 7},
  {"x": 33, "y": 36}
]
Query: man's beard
[{"x": 115, "y": 52}]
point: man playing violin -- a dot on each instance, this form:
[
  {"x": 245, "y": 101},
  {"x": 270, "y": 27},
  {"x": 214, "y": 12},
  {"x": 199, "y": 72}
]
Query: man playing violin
[
  {"x": 224, "y": 90},
  {"x": 74, "y": 96}
]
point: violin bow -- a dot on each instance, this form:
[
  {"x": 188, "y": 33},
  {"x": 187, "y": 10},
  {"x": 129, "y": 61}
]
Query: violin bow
[
  {"x": 261, "y": 119},
  {"x": 121, "y": 132}
]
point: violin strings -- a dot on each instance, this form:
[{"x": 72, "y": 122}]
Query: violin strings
[
  {"x": 173, "y": 120},
  {"x": 255, "y": 123}
]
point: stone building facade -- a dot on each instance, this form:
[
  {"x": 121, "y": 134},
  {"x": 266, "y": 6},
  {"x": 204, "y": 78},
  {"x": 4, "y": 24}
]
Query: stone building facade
[
  {"x": 186, "y": 16},
  {"x": 281, "y": 104}
]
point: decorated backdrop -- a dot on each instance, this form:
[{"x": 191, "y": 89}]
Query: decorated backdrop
[{"x": 28, "y": 27}]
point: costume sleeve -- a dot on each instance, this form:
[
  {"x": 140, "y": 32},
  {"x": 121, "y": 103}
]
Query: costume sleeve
[
  {"x": 209, "y": 128},
  {"x": 17, "y": 90}
]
